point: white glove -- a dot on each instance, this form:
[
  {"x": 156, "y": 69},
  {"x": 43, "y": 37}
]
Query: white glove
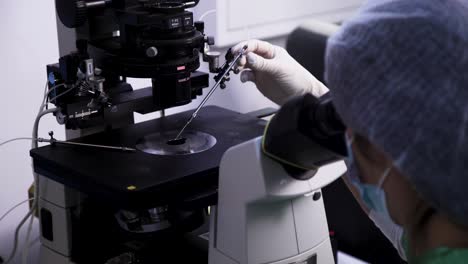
[{"x": 276, "y": 74}]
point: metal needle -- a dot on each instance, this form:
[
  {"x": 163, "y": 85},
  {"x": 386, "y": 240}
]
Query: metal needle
[
  {"x": 54, "y": 141},
  {"x": 211, "y": 92}
]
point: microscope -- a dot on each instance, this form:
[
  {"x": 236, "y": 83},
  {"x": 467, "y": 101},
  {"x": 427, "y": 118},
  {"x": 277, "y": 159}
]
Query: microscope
[{"x": 127, "y": 193}]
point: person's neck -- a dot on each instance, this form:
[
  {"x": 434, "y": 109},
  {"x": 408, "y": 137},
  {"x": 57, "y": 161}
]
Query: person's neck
[{"x": 431, "y": 230}]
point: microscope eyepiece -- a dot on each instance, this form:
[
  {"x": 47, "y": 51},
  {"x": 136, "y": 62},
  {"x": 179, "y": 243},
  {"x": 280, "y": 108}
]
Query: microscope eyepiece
[
  {"x": 307, "y": 133},
  {"x": 327, "y": 119}
]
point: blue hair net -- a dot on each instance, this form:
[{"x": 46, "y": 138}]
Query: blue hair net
[{"x": 398, "y": 73}]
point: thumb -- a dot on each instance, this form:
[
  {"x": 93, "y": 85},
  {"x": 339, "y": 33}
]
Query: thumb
[
  {"x": 257, "y": 63},
  {"x": 247, "y": 76}
]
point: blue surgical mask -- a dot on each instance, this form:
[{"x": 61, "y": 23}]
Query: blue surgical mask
[{"x": 373, "y": 196}]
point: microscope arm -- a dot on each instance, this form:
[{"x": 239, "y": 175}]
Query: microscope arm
[
  {"x": 264, "y": 215},
  {"x": 269, "y": 200}
]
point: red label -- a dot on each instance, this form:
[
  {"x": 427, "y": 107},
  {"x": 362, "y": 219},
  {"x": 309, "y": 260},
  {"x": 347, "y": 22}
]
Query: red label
[{"x": 181, "y": 68}]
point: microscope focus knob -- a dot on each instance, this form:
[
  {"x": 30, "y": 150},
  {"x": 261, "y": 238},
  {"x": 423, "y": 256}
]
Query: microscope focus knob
[
  {"x": 210, "y": 40},
  {"x": 200, "y": 26},
  {"x": 72, "y": 13}
]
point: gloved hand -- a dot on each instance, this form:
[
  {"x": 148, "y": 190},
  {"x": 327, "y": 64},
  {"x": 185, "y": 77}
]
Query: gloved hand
[{"x": 276, "y": 74}]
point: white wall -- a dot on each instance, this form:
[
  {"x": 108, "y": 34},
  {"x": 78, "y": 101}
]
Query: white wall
[
  {"x": 241, "y": 19},
  {"x": 28, "y": 43}
]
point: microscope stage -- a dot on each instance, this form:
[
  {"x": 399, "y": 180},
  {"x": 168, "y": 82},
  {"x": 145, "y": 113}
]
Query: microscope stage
[{"x": 151, "y": 177}]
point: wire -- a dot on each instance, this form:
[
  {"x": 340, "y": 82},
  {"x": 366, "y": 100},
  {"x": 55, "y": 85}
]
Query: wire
[
  {"x": 36, "y": 125},
  {"x": 34, "y": 144},
  {"x": 45, "y": 89},
  {"x": 27, "y": 247},
  {"x": 30, "y": 212},
  {"x": 18, "y": 228},
  {"x": 47, "y": 92},
  {"x": 14, "y": 207},
  {"x": 36, "y": 180},
  {"x": 15, "y": 139},
  {"x": 46, "y": 98},
  {"x": 54, "y": 88},
  {"x": 36, "y": 177},
  {"x": 62, "y": 94},
  {"x": 25, "y": 250},
  {"x": 209, "y": 12}
]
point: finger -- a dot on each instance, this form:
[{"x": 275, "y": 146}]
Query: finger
[
  {"x": 242, "y": 62},
  {"x": 259, "y": 47},
  {"x": 258, "y": 63},
  {"x": 239, "y": 46},
  {"x": 247, "y": 76}
]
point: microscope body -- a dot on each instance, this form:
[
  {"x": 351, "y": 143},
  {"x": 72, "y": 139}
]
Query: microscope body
[
  {"x": 102, "y": 43},
  {"x": 264, "y": 215},
  {"x": 261, "y": 215}
]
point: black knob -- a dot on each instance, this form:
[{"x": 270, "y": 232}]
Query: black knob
[
  {"x": 200, "y": 26},
  {"x": 210, "y": 40},
  {"x": 317, "y": 196},
  {"x": 72, "y": 13}
]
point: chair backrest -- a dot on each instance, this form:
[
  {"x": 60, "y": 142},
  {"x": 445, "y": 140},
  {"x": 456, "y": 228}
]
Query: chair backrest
[{"x": 308, "y": 43}]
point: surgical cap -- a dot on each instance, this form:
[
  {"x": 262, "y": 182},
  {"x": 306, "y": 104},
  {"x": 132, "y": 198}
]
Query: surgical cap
[{"x": 398, "y": 74}]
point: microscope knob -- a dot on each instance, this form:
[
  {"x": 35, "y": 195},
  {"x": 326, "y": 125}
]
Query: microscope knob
[
  {"x": 210, "y": 40},
  {"x": 152, "y": 52},
  {"x": 200, "y": 26},
  {"x": 72, "y": 13}
]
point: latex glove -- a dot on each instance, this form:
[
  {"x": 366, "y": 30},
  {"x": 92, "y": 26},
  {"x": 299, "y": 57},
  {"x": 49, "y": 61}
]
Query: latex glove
[{"x": 276, "y": 74}]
